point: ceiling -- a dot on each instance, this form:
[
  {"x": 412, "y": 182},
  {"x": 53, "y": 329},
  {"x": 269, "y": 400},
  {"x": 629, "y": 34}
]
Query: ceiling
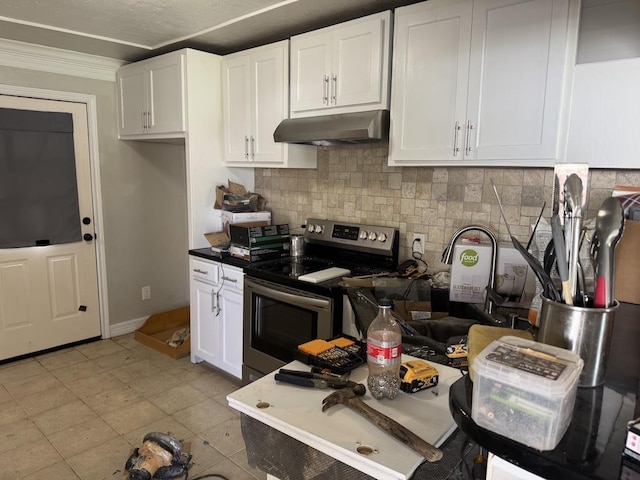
[{"x": 132, "y": 30}]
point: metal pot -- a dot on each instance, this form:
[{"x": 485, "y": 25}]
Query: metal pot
[{"x": 297, "y": 245}]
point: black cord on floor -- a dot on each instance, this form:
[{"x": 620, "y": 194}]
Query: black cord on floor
[
  {"x": 466, "y": 445},
  {"x": 208, "y": 475}
]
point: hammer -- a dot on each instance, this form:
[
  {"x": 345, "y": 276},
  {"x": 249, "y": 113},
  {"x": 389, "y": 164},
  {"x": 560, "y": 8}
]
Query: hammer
[{"x": 349, "y": 396}]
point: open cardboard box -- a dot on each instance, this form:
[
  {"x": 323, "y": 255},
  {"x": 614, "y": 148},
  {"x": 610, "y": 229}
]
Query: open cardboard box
[
  {"x": 627, "y": 269},
  {"x": 160, "y": 327},
  {"x": 416, "y": 310}
]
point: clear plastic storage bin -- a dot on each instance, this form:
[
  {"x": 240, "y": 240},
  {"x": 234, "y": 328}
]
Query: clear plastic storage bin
[{"x": 525, "y": 390}]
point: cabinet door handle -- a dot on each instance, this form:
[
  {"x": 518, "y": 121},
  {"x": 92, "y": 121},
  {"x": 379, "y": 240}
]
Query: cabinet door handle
[
  {"x": 253, "y": 148},
  {"x": 213, "y": 301},
  {"x": 143, "y": 120},
  {"x": 325, "y": 89},
  {"x": 334, "y": 89},
  {"x": 203, "y": 272},
  {"x": 228, "y": 279},
  {"x": 467, "y": 142},
  {"x": 246, "y": 147},
  {"x": 456, "y": 129}
]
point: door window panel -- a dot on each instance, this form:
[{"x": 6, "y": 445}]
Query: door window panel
[{"x": 38, "y": 185}]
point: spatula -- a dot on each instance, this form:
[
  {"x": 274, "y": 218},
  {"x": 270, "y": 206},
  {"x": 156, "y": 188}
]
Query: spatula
[
  {"x": 573, "y": 203},
  {"x": 561, "y": 260}
]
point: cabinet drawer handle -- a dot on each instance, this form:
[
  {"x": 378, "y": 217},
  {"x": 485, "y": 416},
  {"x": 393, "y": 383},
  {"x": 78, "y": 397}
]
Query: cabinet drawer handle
[
  {"x": 215, "y": 308},
  {"x": 203, "y": 272},
  {"x": 227, "y": 279},
  {"x": 467, "y": 148},
  {"x": 246, "y": 147},
  {"x": 253, "y": 148},
  {"x": 334, "y": 89},
  {"x": 325, "y": 89},
  {"x": 456, "y": 129}
]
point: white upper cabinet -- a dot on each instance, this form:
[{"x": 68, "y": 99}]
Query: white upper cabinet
[
  {"x": 151, "y": 97},
  {"x": 343, "y": 68},
  {"x": 605, "y": 114},
  {"x": 255, "y": 100},
  {"x": 479, "y": 82}
]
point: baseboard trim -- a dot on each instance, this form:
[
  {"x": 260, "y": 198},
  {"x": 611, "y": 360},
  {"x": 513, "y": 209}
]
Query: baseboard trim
[{"x": 124, "y": 328}]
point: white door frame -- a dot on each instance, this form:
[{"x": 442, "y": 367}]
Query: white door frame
[{"x": 94, "y": 159}]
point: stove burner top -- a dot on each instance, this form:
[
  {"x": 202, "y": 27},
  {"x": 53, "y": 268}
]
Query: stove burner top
[
  {"x": 362, "y": 249},
  {"x": 295, "y": 266}
]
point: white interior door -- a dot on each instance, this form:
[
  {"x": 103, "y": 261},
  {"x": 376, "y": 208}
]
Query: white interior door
[{"x": 49, "y": 293}]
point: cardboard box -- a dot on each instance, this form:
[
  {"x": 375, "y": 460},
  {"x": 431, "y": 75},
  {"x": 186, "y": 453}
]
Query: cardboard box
[
  {"x": 229, "y": 218},
  {"x": 252, "y": 236},
  {"x": 160, "y": 327},
  {"x": 627, "y": 273},
  {"x": 217, "y": 239},
  {"x": 416, "y": 310},
  {"x": 470, "y": 269}
]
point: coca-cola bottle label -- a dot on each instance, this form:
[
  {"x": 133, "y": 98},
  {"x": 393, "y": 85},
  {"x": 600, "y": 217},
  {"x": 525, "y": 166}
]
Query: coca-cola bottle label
[{"x": 383, "y": 353}]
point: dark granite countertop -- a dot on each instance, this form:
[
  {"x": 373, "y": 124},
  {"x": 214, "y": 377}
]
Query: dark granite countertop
[
  {"x": 592, "y": 447},
  {"x": 207, "y": 254}
]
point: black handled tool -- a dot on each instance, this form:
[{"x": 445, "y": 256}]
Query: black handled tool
[
  {"x": 301, "y": 381},
  {"x": 311, "y": 379}
]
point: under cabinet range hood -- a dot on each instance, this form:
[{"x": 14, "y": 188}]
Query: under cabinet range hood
[{"x": 359, "y": 127}]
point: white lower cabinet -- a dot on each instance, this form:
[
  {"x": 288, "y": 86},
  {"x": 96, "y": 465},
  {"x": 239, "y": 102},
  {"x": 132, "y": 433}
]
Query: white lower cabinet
[
  {"x": 499, "y": 469},
  {"x": 216, "y": 315}
]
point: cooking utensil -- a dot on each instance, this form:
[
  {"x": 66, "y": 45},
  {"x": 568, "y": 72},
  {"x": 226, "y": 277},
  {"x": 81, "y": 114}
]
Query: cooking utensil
[
  {"x": 297, "y": 245},
  {"x": 561, "y": 261},
  {"x": 594, "y": 246},
  {"x": 573, "y": 204},
  {"x": 535, "y": 227},
  {"x": 548, "y": 287},
  {"x": 609, "y": 228}
]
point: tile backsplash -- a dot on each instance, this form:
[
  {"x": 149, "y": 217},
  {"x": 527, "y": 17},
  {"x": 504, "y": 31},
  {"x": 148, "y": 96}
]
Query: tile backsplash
[{"x": 354, "y": 183}]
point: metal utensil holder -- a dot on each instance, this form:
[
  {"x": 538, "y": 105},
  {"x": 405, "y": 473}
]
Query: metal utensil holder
[{"x": 585, "y": 331}]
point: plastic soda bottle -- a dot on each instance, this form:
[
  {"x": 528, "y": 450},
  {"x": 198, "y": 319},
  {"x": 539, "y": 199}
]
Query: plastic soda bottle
[{"x": 384, "y": 352}]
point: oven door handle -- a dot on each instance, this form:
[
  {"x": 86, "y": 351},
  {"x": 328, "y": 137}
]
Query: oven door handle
[{"x": 294, "y": 299}]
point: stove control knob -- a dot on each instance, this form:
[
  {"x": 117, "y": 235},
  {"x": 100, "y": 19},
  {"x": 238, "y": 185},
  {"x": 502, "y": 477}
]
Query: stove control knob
[
  {"x": 318, "y": 228},
  {"x": 373, "y": 236},
  {"x": 382, "y": 237},
  {"x": 364, "y": 235},
  {"x": 311, "y": 228}
]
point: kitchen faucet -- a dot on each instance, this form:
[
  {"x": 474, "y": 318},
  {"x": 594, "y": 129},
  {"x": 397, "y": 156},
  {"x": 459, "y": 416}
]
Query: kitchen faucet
[{"x": 491, "y": 286}]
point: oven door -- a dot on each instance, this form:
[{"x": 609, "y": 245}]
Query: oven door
[{"x": 276, "y": 320}]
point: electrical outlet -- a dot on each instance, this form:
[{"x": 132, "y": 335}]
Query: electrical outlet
[
  {"x": 417, "y": 244},
  {"x": 146, "y": 292}
]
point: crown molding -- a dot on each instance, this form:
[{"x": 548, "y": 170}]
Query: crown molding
[{"x": 56, "y": 60}]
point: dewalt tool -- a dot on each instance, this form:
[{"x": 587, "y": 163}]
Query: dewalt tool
[{"x": 417, "y": 375}]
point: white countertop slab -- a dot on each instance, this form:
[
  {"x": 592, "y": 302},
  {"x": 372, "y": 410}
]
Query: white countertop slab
[{"x": 297, "y": 412}]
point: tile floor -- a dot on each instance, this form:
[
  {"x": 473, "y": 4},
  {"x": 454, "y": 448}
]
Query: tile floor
[{"x": 77, "y": 414}]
